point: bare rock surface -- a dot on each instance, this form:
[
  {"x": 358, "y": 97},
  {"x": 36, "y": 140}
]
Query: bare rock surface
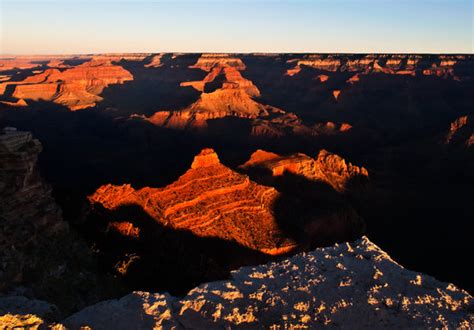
[{"x": 347, "y": 285}]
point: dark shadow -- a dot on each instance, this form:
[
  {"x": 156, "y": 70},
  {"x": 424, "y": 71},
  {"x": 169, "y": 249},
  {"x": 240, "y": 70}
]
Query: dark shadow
[
  {"x": 154, "y": 89},
  {"x": 312, "y": 212},
  {"x": 168, "y": 260}
]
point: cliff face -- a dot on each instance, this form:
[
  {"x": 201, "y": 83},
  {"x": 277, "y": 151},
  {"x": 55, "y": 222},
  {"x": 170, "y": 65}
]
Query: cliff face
[
  {"x": 28, "y": 214},
  {"x": 327, "y": 167},
  {"x": 442, "y": 66},
  {"x": 209, "y": 200},
  {"x": 155, "y": 61},
  {"x": 347, "y": 285},
  {"x": 40, "y": 256},
  {"x": 77, "y": 88}
]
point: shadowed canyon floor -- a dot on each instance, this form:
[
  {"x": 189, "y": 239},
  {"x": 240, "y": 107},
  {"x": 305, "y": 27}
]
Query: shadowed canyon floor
[{"x": 307, "y": 150}]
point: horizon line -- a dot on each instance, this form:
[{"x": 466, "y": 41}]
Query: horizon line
[{"x": 240, "y": 53}]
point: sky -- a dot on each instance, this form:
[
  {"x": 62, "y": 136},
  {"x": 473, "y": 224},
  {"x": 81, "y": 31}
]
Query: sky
[{"x": 314, "y": 26}]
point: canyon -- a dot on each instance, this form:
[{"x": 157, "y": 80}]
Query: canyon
[{"x": 222, "y": 190}]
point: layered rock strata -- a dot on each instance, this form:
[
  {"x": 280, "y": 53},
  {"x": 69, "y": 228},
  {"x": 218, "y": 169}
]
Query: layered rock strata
[
  {"x": 326, "y": 167},
  {"x": 440, "y": 66},
  {"x": 209, "y": 200},
  {"x": 77, "y": 88}
]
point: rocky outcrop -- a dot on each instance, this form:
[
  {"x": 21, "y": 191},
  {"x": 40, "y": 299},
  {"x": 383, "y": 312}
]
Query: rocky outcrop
[
  {"x": 327, "y": 167},
  {"x": 77, "y": 88},
  {"x": 209, "y": 200},
  {"x": 29, "y": 215},
  {"x": 155, "y": 61},
  {"x": 330, "y": 127},
  {"x": 461, "y": 131},
  {"x": 18, "y": 103},
  {"x": 347, "y": 285},
  {"x": 209, "y": 61},
  {"x": 320, "y": 62},
  {"x": 40, "y": 256},
  {"x": 57, "y": 63}
]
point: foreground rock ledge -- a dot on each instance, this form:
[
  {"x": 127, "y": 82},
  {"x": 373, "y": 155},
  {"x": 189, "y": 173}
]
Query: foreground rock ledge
[{"x": 346, "y": 285}]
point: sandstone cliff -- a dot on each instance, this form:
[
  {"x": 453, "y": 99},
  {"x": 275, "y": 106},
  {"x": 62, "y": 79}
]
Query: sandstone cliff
[
  {"x": 440, "y": 66},
  {"x": 326, "y": 167},
  {"x": 77, "y": 88},
  {"x": 209, "y": 200},
  {"x": 351, "y": 285},
  {"x": 155, "y": 61}
]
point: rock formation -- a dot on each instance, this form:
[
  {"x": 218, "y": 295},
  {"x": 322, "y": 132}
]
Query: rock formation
[
  {"x": 77, "y": 88},
  {"x": 18, "y": 103},
  {"x": 209, "y": 200},
  {"x": 155, "y": 61},
  {"x": 347, "y": 285},
  {"x": 40, "y": 256},
  {"x": 235, "y": 96},
  {"x": 442, "y": 66},
  {"x": 327, "y": 167},
  {"x": 28, "y": 213},
  {"x": 461, "y": 131}
]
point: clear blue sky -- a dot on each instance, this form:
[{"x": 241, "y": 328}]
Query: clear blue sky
[{"x": 86, "y": 26}]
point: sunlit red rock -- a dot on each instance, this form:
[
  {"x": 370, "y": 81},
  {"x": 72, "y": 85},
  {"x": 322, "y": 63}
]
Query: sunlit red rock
[
  {"x": 57, "y": 63},
  {"x": 77, "y": 88},
  {"x": 354, "y": 79},
  {"x": 316, "y": 62},
  {"x": 322, "y": 78},
  {"x": 209, "y": 200},
  {"x": 327, "y": 167},
  {"x": 115, "y": 58},
  {"x": 235, "y": 98},
  {"x": 461, "y": 131},
  {"x": 336, "y": 94},
  {"x": 16, "y": 63},
  {"x": 124, "y": 228},
  {"x": 155, "y": 61},
  {"x": 208, "y": 61},
  {"x": 398, "y": 64},
  {"x": 332, "y": 128},
  {"x": 19, "y": 103}
]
